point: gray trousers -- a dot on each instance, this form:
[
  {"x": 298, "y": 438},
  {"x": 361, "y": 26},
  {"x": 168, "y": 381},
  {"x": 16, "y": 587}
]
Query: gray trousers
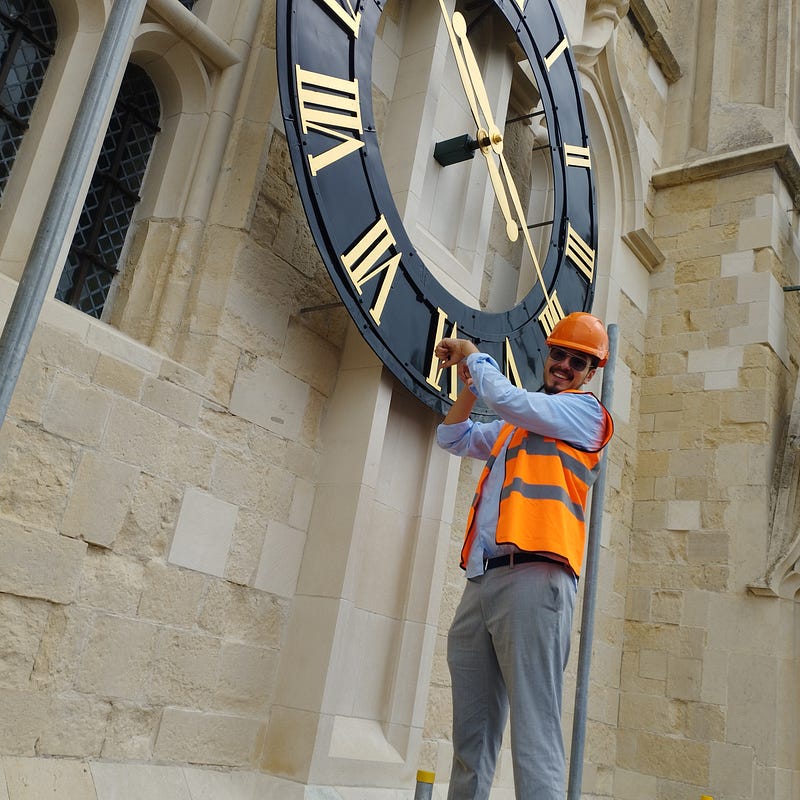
[{"x": 507, "y": 650}]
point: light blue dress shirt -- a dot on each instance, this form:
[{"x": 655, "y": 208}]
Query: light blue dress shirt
[{"x": 577, "y": 419}]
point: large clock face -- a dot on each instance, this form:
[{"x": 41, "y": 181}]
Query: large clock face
[{"x": 325, "y": 54}]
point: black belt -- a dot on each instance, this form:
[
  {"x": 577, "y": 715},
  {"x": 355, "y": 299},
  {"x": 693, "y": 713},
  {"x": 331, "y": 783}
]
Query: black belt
[{"x": 517, "y": 558}]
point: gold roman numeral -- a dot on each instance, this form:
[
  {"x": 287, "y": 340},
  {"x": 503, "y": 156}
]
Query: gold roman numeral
[
  {"x": 433, "y": 371},
  {"x": 361, "y": 263},
  {"x": 576, "y": 156},
  {"x": 553, "y": 55},
  {"x": 512, "y": 373},
  {"x": 347, "y": 16},
  {"x": 551, "y": 314},
  {"x": 328, "y": 104},
  {"x": 579, "y": 253}
]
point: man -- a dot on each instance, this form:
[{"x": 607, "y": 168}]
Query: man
[{"x": 509, "y": 642}]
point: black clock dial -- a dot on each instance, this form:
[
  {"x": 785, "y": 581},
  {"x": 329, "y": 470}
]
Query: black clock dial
[{"x": 324, "y": 50}]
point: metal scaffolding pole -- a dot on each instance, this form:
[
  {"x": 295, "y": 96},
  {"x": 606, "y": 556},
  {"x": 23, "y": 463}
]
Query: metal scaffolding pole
[
  {"x": 590, "y": 591},
  {"x": 65, "y": 194}
]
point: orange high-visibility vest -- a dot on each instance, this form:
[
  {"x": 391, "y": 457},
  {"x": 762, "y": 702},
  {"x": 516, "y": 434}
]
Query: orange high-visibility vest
[{"x": 543, "y": 501}]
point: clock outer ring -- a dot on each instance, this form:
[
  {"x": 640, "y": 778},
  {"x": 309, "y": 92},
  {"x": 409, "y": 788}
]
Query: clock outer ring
[{"x": 309, "y": 35}]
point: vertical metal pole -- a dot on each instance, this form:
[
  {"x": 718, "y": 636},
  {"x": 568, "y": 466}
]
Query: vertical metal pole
[
  {"x": 590, "y": 591},
  {"x": 65, "y": 194}
]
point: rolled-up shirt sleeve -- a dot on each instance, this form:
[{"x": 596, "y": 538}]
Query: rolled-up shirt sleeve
[{"x": 576, "y": 418}]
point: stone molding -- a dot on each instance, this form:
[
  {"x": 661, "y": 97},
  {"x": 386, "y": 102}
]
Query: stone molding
[
  {"x": 779, "y": 156},
  {"x": 654, "y": 40},
  {"x": 782, "y": 575}
]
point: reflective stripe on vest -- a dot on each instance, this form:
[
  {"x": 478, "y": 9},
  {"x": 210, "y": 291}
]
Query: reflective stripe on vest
[{"x": 543, "y": 500}]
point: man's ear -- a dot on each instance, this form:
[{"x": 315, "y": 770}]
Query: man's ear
[{"x": 589, "y": 375}]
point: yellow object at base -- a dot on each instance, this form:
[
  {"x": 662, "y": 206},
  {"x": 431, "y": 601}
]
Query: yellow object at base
[{"x": 430, "y": 777}]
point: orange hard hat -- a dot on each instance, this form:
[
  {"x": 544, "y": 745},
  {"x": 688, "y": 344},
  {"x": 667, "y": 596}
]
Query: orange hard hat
[{"x": 582, "y": 332}]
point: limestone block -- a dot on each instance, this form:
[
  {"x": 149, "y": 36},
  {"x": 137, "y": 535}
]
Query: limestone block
[
  {"x": 653, "y": 664},
  {"x": 203, "y": 533},
  {"x": 138, "y": 436},
  {"x": 683, "y": 515},
  {"x": 111, "y": 582},
  {"x": 705, "y": 722},
  {"x": 751, "y": 713},
  {"x": 307, "y": 653},
  {"x": 117, "y": 658},
  {"x": 51, "y": 346},
  {"x": 668, "y": 757},
  {"x": 731, "y": 769},
  {"x": 684, "y": 677},
  {"x": 35, "y": 563},
  {"x": 75, "y": 726},
  {"x": 115, "y": 343},
  {"x": 171, "y": 400},
  {"x": 157, "y": 444},
  {"x": 204, "y": 738},
  {"x": 708, "y": 547},
  {"x": 86, "y": 517},
  {"x": 667, "y": 606},
  {"x": 243, "y": 614},
  {"x": 281, "y": 556},
  {"x": 310, "y": 358},
  {"x": 130, "y": 732},
  {"x": 226, "y": 429},
  {"x": 150, "y": 522},
  {"x": 649, "y": 515},
  {"x": 134, "y": 781},
  {"x": 76, "y": 410},
  {"x": 690, "y": 463},
  {"x": 31, "y": 391},
  {"x": 237, "y": 477},
  {"x": 633, "y": 785},
  {"x": 246, "y": 679},
  {"x": 210, "y": 784},
  {"x": 246, "y": 547},
  {"x": 267, "y": 395},
  {"x": 747, "y": 406},
  {"x": 21, "y": 723},
  {"x": 37, "y": 778},
  {"x": 738, "y": 263},
  {"x": 637, "y": 604},
  {"x": 22, "y": 625},
  {"x": 302, "y": 461},
  {"x": 36, "y": 472},
  {"x": 170, "y": 596},
  {"x": 185, "y": 668},
  {"x": 302, "y": 504},
  {"x": 289, "y": 744},
  {"x": 119, "y": 376}
]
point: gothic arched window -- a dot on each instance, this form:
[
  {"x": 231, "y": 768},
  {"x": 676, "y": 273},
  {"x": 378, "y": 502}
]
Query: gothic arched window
[
  {"x": 28, "y": 33},
  {"x": 113, "y": 194}
]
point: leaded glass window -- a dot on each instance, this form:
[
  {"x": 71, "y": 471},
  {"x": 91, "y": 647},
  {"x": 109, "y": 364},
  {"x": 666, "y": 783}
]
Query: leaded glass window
[
  {"x": 113, "y": 194},
  {"x": 28, "y": 33}
]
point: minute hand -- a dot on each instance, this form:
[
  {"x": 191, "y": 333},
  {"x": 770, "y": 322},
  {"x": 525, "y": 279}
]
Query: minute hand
[
  {"x": 496, "y": 139},
  {"x": 459, "y": 26}
]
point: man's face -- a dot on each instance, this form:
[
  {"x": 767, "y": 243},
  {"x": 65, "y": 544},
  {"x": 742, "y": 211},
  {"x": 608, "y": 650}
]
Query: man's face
[{"x": 566, "y": 369}]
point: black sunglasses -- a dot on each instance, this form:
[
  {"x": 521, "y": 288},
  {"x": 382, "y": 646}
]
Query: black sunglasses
[{"x": 576, "y": 362}]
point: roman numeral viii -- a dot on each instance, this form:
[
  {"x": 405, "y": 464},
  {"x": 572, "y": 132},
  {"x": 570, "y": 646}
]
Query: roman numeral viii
[{"x": 329, "y": 105}]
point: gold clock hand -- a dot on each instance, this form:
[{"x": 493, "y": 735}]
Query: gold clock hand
[
  {"x": 512, "y": 190},
  {"x": 462, "y": 69},
  {"x": 476, "y": 79},
  {"x": 458, "y": 23},
  {"x": 495, "y": 137}
]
